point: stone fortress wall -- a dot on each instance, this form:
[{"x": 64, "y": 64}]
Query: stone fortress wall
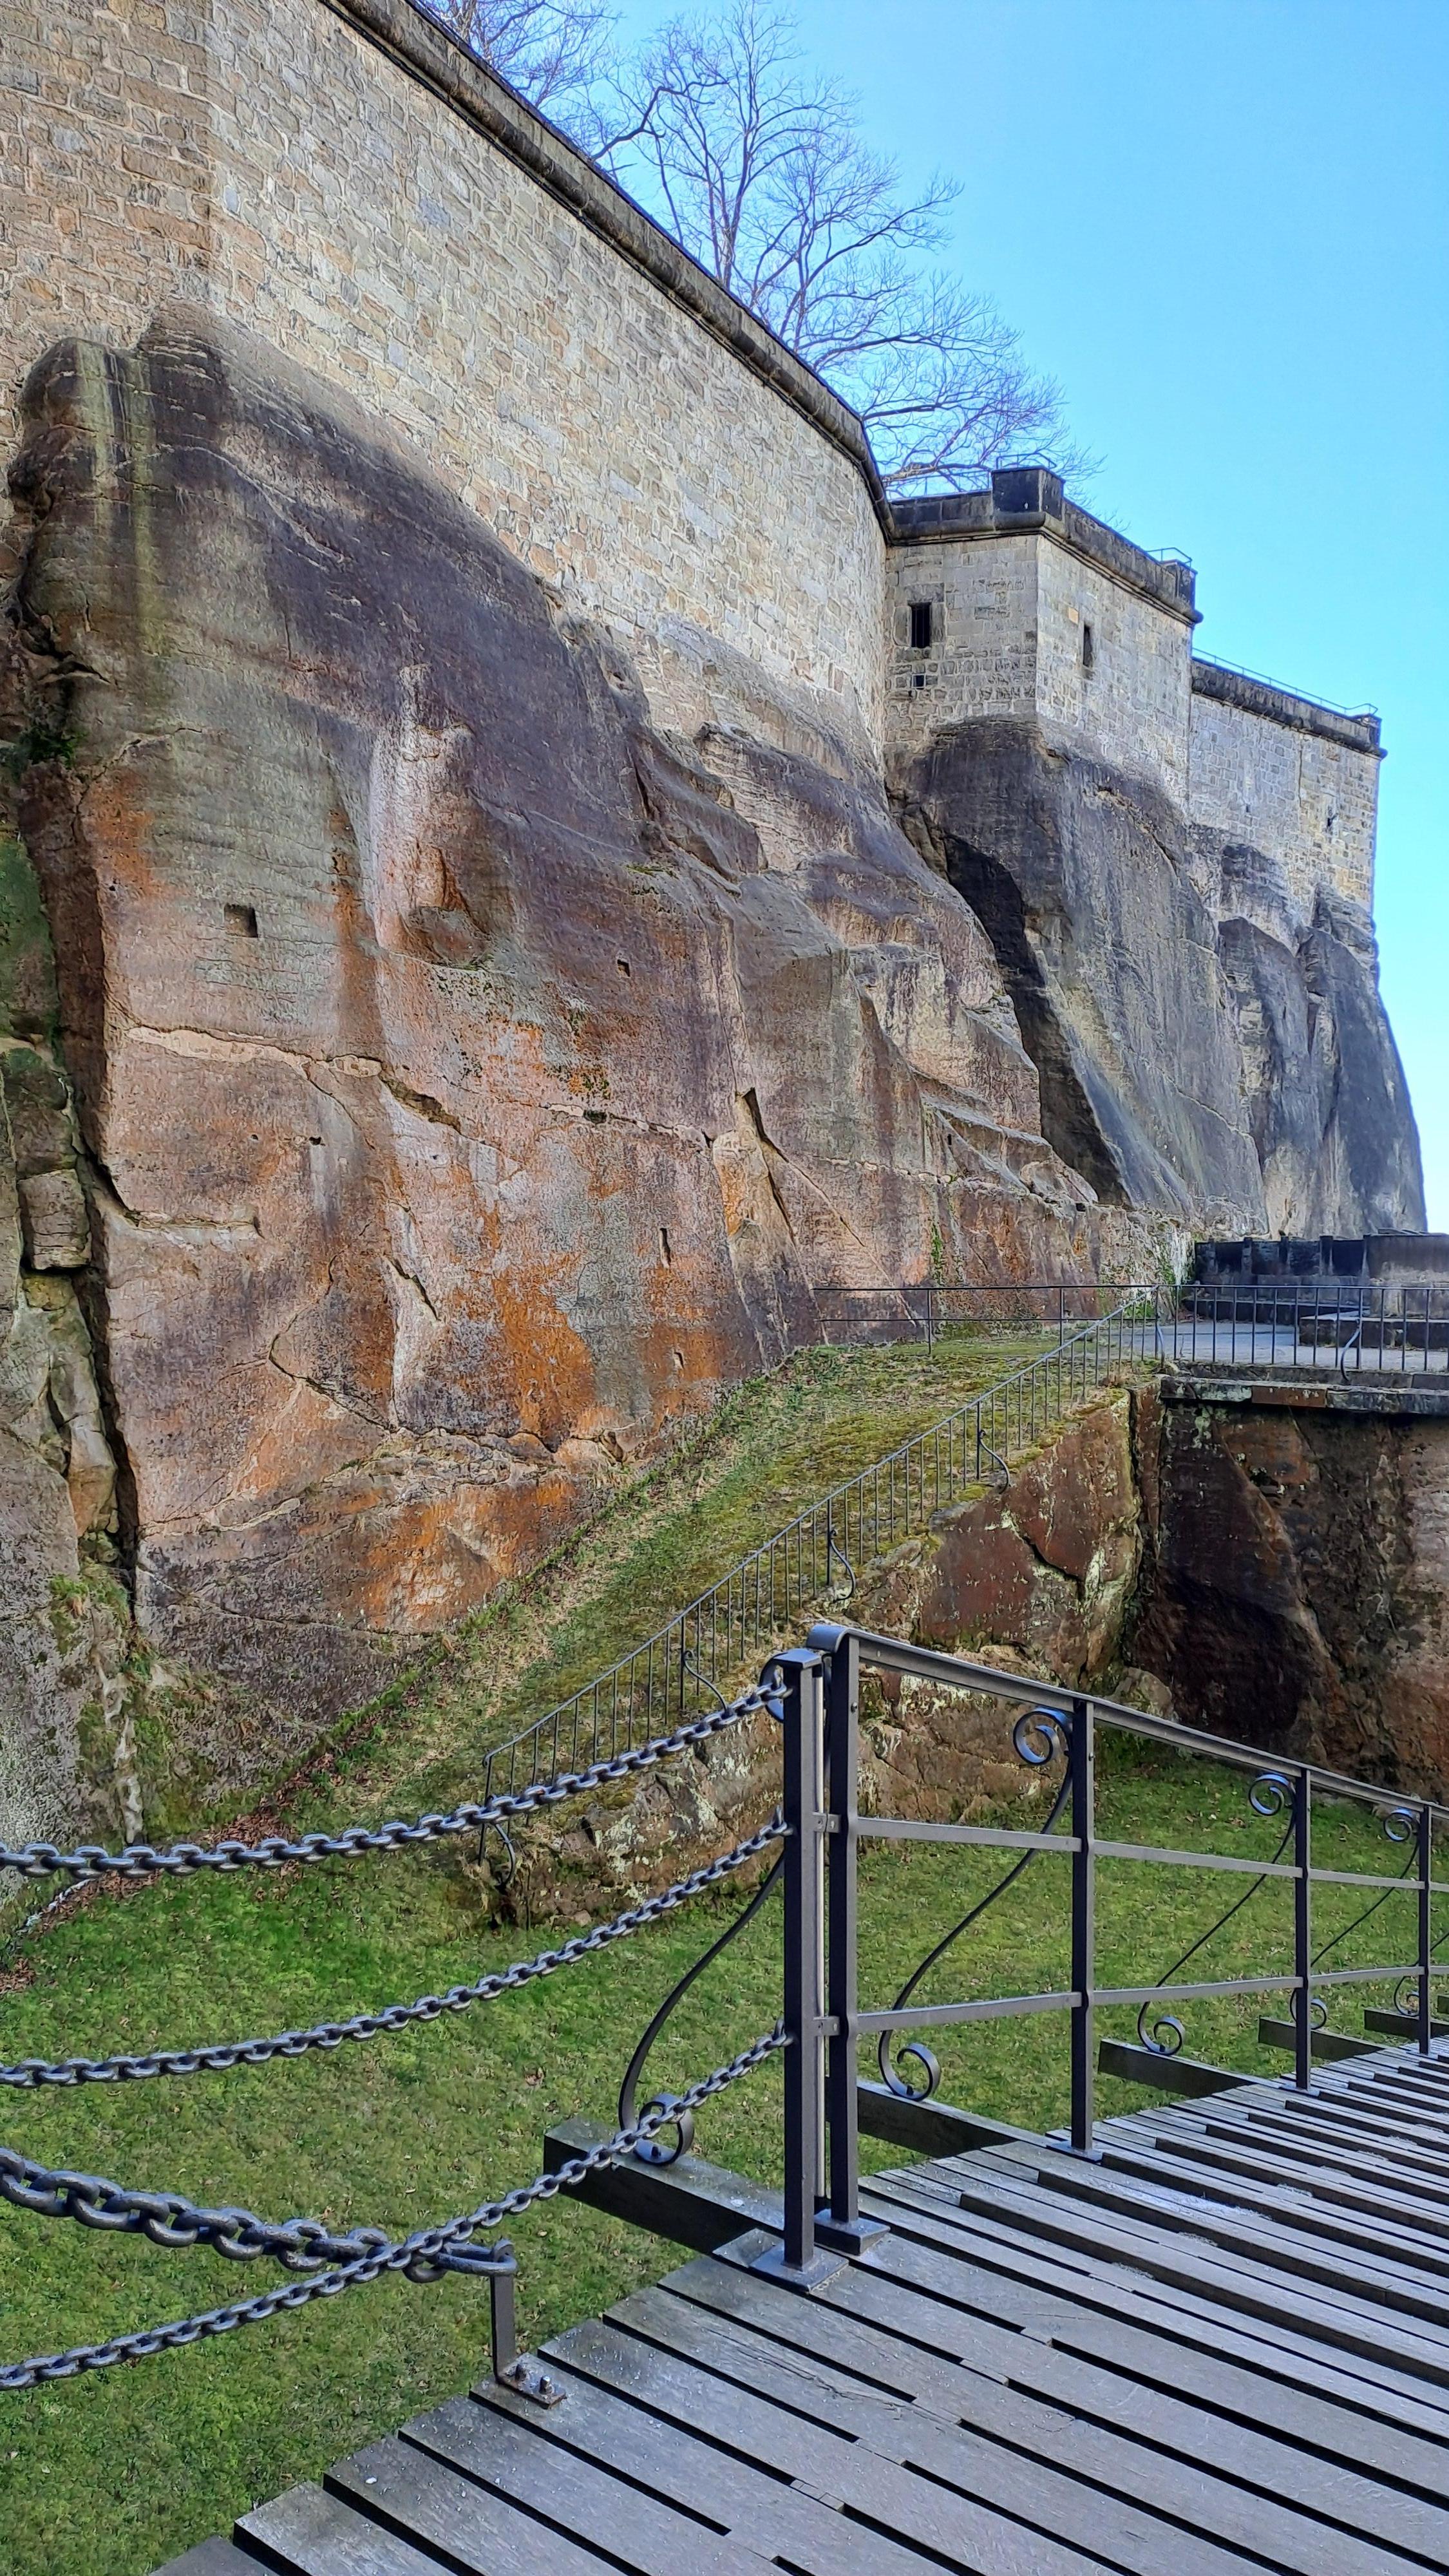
[
  {"x": 1296, "y": 780},
  {"x": 442, "y": 1043},
  {"x": 1040, "y": 613},
  {"x": 341, "y": 179},
  {"x": 346, "y": 183}
]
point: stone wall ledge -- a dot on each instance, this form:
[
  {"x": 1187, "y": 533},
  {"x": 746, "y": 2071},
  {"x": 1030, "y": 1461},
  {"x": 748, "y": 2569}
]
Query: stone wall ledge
[
  {"x": 1029, "y": 501},
  {"x": 428, "y": 54},
  {"x": 1285, "y": 707},
  {"x": 1387, "y": 1396}
]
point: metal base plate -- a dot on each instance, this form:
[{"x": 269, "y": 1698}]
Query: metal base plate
[{"x": 823, "y": 2266}]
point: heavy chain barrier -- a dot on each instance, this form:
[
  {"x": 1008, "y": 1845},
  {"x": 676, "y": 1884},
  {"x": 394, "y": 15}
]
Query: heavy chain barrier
[
  {"x": 33, "y": 2072},
  {"x": 302, "y": 2244},
  {"x": 142, "y": 1860}
]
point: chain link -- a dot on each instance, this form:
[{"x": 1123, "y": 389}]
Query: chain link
[
  {"x": 220, "y": 2058},
  {"x": 424, "y": 2256},
  {"x": 140, "y": 1860}
]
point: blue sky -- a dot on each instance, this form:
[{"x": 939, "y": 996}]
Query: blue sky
[{"x": 1224, "y": 226}]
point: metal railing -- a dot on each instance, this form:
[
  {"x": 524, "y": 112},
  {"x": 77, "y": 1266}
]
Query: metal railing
[
  {"x": 762, "y": 1598},
  {"x": 1349, "y": 1324},
  {"x": 823, "y": 2018},
  {"x": 893, "y": 1311},
  {"x": 682, "y": 1666}
]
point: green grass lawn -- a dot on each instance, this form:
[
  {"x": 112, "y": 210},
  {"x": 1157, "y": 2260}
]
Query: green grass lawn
[{"x": 121, "y": 2470}]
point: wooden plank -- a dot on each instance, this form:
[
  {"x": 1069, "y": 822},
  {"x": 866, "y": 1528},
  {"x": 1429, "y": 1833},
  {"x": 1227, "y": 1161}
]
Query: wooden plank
[
  {"x": 519, "y": 2462},
  {"x": 1187, "y": 2279},
  {"x": 773, "y": 2518},
  {"x": 1148, "y": 2386},
  {"x": 1182, "y": 2293},
  {"x": 1329, "y": 2044},
  {"x": 1333, "y": 2210},
  {"x": 1330, "y": 2144},
  {"x": 1239, "y": 2235},
  {"x": 948, "y": 2527},
  {"x": 1042, "y": 2461},
  {"x": 210, "y": 2558},
  {"x": 1402, "y": 2025},
  {"x": 1209, "y": 2357},
  {"x": 429, "y": 2505},
  {"x": 1330, "y": 2256},
  {"x": 312, "y": 2534},
  {"x": 691, "y": 2202},
  {"x": 1167, "y": 2074},
  {"x": 927, "y": 2128},
  {"x": 1313, "y": 2176}
]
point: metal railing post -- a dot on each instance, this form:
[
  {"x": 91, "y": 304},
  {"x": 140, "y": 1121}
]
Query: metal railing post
[
  {"x": 843, "y": 2229},
  {"x": 1303, "y": 1930},
  {"x": 1426, "y": 1927},
  {"x": 798, "y": 2259},
  {"x": 1081, "y": 1756}
]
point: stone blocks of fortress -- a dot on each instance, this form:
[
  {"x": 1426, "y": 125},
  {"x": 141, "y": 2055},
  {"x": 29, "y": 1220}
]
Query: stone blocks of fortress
[
  {"x": 1040, "y": 613},
  {"x": 624, "y": 426},
  {"x": 518, "y": 862}
]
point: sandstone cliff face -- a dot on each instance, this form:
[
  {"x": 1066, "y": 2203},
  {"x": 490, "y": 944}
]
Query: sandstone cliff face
[
  {"x": 1295, "y": 1582},
  {"x": 465, "y": 1079},
  {"x": 1202, "y": 1045}
]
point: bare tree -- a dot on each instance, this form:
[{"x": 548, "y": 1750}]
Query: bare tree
[
  {"x": 556, "y": 52},
  {"x": 761, "y": 173},
  {"x": 758, "y": 168}
]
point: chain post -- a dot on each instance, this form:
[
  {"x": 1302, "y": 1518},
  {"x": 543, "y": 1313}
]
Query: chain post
[
  {"x": 1303, "y": 1930},
  {"x": 1081, "y": 1756},
  {"x": 1426, "y": 1919},
  {"x": 798, "y": 2260},
  {"x": 512, "y": 2369}
]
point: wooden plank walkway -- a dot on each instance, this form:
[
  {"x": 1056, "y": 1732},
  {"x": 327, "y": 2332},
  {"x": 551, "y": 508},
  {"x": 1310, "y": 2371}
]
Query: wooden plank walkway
[{"x": 1222, "y": 2345}]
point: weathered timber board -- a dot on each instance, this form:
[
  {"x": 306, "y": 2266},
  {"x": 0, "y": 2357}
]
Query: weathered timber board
[{"x": 1221, "y": 2344}]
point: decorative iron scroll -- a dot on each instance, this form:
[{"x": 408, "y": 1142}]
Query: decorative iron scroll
[
  {"x": 1390, "y": 1818},
  {"x": 1038, "y": 1734},
  {"x": 1269, "y": 1795},
  {"x": 655, "y": 2148}
]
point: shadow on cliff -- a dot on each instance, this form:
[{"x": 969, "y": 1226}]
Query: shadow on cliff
[{"x": 472, "y": 1079}]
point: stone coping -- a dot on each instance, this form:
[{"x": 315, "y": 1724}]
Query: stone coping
[
  {"x": 1029, "y": 500},
  {"x": 1422, "y": 1397},
  {"x": 428, "y": 54},
  {"x": 1285, "y": 707}
]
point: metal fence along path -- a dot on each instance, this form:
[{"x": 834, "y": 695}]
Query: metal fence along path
[{"x": 761, "y": 1600}]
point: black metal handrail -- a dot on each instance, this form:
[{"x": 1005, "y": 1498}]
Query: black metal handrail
[
  {"x": 1312, "y": 1324},
  {"x": 823, "y": 2017},
  {"x": 890, "y": 1310},
  {"x": 1358, "y": 1325},
  {"x": 766, "y": 1594}
]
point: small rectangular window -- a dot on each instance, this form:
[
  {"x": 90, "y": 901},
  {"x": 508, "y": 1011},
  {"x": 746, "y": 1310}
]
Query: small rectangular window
[
  {"x": 921, "y": 625},
  {"x": 241, "y": 921},
  {"x": 1089, "y": 648}
]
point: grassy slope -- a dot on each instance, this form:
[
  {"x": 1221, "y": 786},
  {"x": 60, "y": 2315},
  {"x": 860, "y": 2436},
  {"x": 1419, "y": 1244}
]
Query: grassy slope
[{"x": 121, "y": 2470}]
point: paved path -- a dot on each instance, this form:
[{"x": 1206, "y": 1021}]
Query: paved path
[{"x": 1222, "y": 2346}]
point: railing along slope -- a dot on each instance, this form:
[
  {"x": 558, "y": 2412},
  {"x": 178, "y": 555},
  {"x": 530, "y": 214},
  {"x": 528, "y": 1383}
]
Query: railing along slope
[{"x": 680, "y": 1669}]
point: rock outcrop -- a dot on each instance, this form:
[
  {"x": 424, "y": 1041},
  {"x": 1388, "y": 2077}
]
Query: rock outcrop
[
  {"x": 466, "y": 1079},
  {"x": 1203, "y": 1043},
  {"x": 1295, "y": 1580}
]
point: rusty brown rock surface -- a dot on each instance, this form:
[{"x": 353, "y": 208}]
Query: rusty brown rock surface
[
  {"x": 1295, "y": 1587},
  {"x": 470, "y": 1080}
]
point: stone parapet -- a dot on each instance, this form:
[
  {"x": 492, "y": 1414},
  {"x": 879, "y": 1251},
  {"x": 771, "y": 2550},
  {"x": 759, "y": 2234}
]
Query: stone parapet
[
  {"x": 1264, "y": 698},
  {"x": 1024, "y": 498}
]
